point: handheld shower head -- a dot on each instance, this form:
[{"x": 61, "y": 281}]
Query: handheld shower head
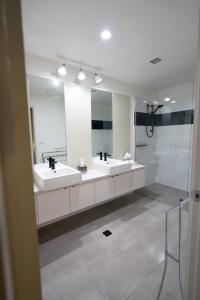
[{"x": 159, "y": 106}]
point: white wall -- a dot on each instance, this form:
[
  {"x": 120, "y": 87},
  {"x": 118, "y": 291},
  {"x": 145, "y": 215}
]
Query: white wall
[
  {"x": 49, "y": 123},
  {"x": 78, "y": 124},
  {"x": 121, "y": 125}
]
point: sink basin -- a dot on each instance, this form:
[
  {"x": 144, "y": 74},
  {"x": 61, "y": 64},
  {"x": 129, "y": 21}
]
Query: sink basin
[
  {"x": 62, "y": 176},
  {"x": 111, "y": 166}
]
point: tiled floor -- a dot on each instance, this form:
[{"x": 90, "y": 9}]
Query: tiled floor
[{"x": 79, "y": 263}]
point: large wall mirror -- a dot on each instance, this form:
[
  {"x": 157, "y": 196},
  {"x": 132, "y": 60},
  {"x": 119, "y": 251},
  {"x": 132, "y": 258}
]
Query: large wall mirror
[
  {"x": 110, "y": 123},
  {"x": 102, "y": 135},
  {"x": 47, "y": 118}
]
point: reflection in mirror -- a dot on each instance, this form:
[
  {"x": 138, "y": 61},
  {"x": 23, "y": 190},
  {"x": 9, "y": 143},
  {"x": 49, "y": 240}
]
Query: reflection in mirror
[
  {"x": 47, "y": 119},
  {"x": 101, "y": 105}
]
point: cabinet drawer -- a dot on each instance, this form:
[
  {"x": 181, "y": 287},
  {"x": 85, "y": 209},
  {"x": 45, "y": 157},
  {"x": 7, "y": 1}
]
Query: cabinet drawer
[
  {"x": 81, "y": 196},
  {"x": 122, "y": 183},
  {"x": 138, "y": 179},
  {"x": 104, "y": 189},
  {"x": 52, "y": 205}
]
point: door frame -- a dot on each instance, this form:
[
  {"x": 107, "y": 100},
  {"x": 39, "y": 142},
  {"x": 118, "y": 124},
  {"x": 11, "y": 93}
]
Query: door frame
[
  {"x": 19, "y": 255},
  {"x": 193, "y": 271}
]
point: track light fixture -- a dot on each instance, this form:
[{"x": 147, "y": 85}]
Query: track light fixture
[
  {"x": 81, "y": 75},
  {"x": 97, "y": 78},
  {"x": 62, "y": 70}
]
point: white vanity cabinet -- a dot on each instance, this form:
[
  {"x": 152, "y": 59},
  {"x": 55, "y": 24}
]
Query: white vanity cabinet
[
  {"x": 52, "y": 205},
  {"x": 138, "y": 179},
  {"x": 55, "y": 204},
  {"x": 81, "y": 196},
  {"x": 104, "y": 189},
  {"x": 122, "y": 183}
]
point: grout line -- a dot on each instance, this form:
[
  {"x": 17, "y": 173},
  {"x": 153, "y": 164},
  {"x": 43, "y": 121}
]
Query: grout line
[{"x": 142, "y": 283}]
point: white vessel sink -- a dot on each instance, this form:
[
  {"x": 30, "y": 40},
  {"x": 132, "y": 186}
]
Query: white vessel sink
[
  {"x": 111, "y": 166},
  {"x": 62, "y": 176}
]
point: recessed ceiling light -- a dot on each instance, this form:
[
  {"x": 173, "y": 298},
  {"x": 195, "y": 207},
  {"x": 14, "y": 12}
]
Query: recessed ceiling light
[
  {"x": 97, "y": 78},
  {"x": 56, "y": 82},
  {"x": 174, "y": 101},
  {"x": 81, "y": 75},
  {"x": 144, "y": 101},
  {"x": 106, "y": 34},
  {"x": 167, "y": 99},
  {"x": 62, "y": 70}
]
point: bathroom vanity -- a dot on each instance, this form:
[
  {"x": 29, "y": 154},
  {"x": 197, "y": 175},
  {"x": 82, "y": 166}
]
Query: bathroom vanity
[
  {"x": 70, "y": 123},
  {"x": 95, "y": 188}
]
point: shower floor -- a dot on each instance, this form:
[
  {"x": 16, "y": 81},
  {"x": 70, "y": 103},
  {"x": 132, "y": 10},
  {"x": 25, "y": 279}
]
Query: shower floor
[{"x": 79, "y": 262}]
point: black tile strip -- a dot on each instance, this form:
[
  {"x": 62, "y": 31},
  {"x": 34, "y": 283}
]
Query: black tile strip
[
  {"x": 96, "y": 124},
  {"x": 143, "y": 119},
  {"x": 99, "y": 124},
  {"x": 107, "y": 124},
  {"x": 168, "y": 119}
]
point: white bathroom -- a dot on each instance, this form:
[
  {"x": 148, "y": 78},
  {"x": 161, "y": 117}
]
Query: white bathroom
[{"x": 110, "y": 89}]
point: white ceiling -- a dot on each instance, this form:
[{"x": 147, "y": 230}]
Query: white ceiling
[{"x": 141, "y": 30}]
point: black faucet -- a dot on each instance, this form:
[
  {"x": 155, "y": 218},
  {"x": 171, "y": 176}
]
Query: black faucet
[
  {"x": 100, "y": 155},
  {"x": 50, "y": 161},
  {"x": 106, "y": 156},
  {"x": 53, "y": 162}
]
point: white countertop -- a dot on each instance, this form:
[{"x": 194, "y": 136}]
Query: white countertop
[
  {"x": 137, "y": 166},
  {"x": 92, "y": 175}
]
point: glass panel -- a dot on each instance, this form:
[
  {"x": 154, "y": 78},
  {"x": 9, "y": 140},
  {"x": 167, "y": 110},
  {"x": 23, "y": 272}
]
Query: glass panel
[
  {"x": 163, "y": 128},
  {"x": 163, "y": 135},
  {"x": 101, "y": 106},
  {"x": 47, "y": 119}
]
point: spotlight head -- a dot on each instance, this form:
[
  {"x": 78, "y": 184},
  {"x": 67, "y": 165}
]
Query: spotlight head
[
  {"x": 97, "y": 78},
  {"x": 81, "y": 75},
  {"x": 62, "y": 70}
]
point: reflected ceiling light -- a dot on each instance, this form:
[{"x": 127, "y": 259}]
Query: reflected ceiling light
[
  {"x": 81, "y": 75},
  {"x": 156, "y": 102},
  {"x": 174, "y": 101},
  {"x": 167, "y": 99},
  {"x": 144, "y": 101},
  {"x": 56, "y": 82},
  {"x": 62, "y": 70},
  {"x": 97, "y": 78},
  {"x": 106, "y": 34}
]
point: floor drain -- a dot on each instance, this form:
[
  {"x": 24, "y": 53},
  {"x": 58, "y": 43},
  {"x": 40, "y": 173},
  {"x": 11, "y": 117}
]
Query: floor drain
[{"x": 107, "y": 233}]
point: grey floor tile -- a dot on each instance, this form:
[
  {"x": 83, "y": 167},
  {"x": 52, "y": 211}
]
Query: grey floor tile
[
  {"x": 75, "y": 286},
  {"x": 79, "y": 262},
  {"x": 119, "y": 273},
  {"x": 148, "y": 290}
]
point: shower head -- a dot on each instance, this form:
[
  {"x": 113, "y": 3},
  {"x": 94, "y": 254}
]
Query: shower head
[{"x": 159, "y": 106}]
